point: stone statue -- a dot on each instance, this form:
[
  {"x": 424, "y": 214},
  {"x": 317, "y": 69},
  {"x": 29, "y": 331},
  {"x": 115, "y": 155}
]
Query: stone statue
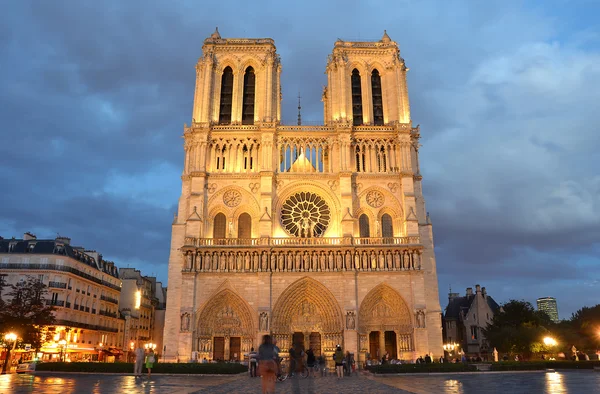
[
  {"x": 338, "y": 261},
  {"x": 185, "y": 322},
  {"x": 264, "y": 322},
  {"x": 199, "y": 261},
  {"x": 420, "y": 319},
  {"x": 264, "y": 259},
  {"x": 330, "y": 263},
  {"x": 298, "y": 262},
  {"x": 350, "y": 321},
  {"x": 190, "y": 260},
  {"x": 495, "y": 355},
  {"x": 322, "y": 261},
  {"x": 247, "y": 261}
]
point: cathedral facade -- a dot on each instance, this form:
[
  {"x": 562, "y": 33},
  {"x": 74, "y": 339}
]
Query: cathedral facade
[{"x": 317, "y": 235}]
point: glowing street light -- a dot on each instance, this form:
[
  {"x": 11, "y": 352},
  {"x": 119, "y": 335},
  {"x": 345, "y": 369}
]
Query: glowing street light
[
  {"x": 549, "y": 341},
  {"x": 10, "y": 337},
  {"x": 63, "y": 348},
  {"x": 150, "y": 345}
]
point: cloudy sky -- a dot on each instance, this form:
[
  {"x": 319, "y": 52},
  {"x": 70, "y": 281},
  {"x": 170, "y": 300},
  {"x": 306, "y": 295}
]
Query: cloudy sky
[{"x": 93, "y": 97}]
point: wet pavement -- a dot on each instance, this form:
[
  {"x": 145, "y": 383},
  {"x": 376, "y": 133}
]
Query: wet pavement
[{"x": 528, "y": 382}]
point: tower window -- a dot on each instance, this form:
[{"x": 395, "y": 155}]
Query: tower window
[
  {"x": 377, "y": 98},
  {"x": 357, "y": 116},
  {"x": 363, "y": 224},
  {"x": 245, "y": 226},
  {"x": 387, "y": 228},
  {"x": 248, "y": 100},
  {"x": 219, "y": 226},
  {"x": 226, "y": 96}
]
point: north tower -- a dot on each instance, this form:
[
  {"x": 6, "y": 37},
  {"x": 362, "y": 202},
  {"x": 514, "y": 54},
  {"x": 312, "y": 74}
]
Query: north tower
[{"x": 317, "y": 235}]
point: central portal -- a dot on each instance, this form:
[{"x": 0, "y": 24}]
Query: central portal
[{"x": 305, "y": 342}]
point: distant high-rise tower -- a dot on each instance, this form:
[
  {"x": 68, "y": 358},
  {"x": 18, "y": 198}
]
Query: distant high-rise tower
[{"x": 548, "y": 305}]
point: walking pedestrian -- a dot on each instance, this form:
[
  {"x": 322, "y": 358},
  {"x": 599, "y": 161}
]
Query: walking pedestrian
[
  {"x": 253, "y": 356},
  {"x": 338, "y": 357},
  {"x": 311, "y": 362},
  {"x": 139, "y": 361},
  {"x": 150, "y": 360},
  {"x": 267, "y": 366}
]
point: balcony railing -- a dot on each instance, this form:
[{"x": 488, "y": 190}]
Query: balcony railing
[
  {"x": 68, "y": 304},
  {"x": 61, "y": 268},
  {"x": 109, "y": 314},
  {"x": 317, "y": 241},
  {"x": 70, "y": 323},
  {"x": 58, "y": 285},
  {"x": 109, "y": 299},
  {"x": 55, "y": 302}
]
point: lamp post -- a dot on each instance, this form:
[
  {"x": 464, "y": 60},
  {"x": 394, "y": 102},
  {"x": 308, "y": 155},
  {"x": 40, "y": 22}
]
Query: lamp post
[
  {"x": 550, "y": 342},
  {"x": 8, "y": 338},
  {"x": 450, "y": 347}
]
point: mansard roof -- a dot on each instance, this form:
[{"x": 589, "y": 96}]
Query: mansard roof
[{"x": 49, "y": 246}]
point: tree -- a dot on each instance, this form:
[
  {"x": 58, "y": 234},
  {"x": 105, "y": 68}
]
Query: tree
[
  {"x": 518, "y": 329},
  {"x": 25, "y": 311},
  {"x": 584, "y": 325}
]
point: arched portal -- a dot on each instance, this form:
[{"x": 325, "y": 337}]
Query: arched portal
[
  {"x": 307, "y": 307},
  {"x": 225, "y": 327},
  {"x": 385, "y": 323}
]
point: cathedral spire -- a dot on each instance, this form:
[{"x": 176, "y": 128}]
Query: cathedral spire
[{"x": 216, "y": 33}]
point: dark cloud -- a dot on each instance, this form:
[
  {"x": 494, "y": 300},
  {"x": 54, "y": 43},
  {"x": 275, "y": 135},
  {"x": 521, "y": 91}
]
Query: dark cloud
[{"x": 94, "y": 96}]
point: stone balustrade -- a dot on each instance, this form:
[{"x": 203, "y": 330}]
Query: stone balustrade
[{"x": 280, "y": 255}]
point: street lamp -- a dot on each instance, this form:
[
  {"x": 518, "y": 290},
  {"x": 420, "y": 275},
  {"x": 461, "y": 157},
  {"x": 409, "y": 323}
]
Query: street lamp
[
  {"x": 63, "y": 349},
  {"x": 150, "y": 346},
  {"x": 549, "y": 341},
  {"x": 10, "y": 337}
]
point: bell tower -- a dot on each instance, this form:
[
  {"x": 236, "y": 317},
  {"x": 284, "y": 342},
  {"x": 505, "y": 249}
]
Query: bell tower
[
  {"x": 366, "y": 84},
  {"x": 237, "y": 82}
]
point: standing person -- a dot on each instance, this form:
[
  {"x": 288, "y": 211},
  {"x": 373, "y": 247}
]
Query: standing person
[
  {"x": 292, "y": 354},
  {"x": 150, "y": 360},
  {"x": 267, "y": 356},
  {"x": 311, "y": 362},
  {"x": 139, "y": 361},
  {"x": 338, "y": 357},
  {"x": 253, "y": 356}
]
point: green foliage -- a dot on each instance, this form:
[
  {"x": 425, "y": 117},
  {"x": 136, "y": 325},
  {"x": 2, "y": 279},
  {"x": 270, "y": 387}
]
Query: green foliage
[
  {"x": 25, "y": 312},
  {"x": 171, "y": 368},
  {"x": 421, "y": 368},
  {"x": 518, "y": 329}
]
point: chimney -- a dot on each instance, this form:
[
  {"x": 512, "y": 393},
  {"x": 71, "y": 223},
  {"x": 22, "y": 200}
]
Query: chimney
[
  {"x": 483, "y": 292},
  {"x": 469, "y": 291},
  {"x": 65, "y": 240},
  {"x": 477, "y": 289},
  {"x": 28, "y": 236}
]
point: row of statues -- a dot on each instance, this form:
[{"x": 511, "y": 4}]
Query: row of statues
[{"x": 395, "y": 260}]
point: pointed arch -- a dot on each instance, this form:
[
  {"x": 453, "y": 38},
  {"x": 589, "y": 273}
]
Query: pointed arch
[
  {"x": 357, "y": 109},
  {"x": 225, "y": 314},
  {"x": 307, "y": 305},
  {"x": 226, "y": 96},
  {"x": 219, "y": 225},
  {"x": 248, "y": 96},
  {"x": 364, "y": 229},
  {"x": 384, "y": 309},
  {"x": 377, "y": 98},
  {"x": 245, "y": 226},
  {"x": 387, "y": 226}
]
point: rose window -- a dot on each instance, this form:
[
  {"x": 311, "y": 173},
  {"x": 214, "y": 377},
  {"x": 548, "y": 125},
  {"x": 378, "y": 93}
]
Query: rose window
[{"x": 305, "y": 215}]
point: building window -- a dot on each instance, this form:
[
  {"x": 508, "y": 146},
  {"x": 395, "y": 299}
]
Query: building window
[
  {"x": 357, "y": 116},
  {"x": 377, "y": 98},
  {"x": 474, "y": 332},
  {"x": 219, "y": 226},
  {"x": 245, "y": 226},
  {"x": 248, "y": 97},
  {"x": 381, "y": 159},
  {"x": 360, "y": 159},
  {"x": 387, "y": 228},
  {"x": 363, "y": 224},
  {"x": 226, "y": 96}
]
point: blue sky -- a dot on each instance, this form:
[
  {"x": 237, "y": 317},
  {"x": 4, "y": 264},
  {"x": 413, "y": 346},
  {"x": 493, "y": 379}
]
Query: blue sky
[{"x": 93, "y": 97}]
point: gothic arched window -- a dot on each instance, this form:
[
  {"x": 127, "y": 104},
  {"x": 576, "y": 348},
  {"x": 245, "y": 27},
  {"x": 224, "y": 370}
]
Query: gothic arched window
[
  {"x": 387, "y": 227},
  {"x": 226, "y": 96},
  {"x": 248, "y": 100},
  {"x": 377, "y": 98},
  {"x": 219, "y": 226},
  {"x": 363, "y": 224},
  {"x": 244, "y": 226},
  {"x": 357, "y": 116}
]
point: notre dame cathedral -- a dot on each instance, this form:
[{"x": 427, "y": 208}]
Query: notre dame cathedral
[{"x": 317, "y": 235}]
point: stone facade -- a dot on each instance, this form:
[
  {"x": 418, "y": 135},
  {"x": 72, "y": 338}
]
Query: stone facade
[
  {"x": 465, "y": 319},
  {"x": 315, "y": 234}
]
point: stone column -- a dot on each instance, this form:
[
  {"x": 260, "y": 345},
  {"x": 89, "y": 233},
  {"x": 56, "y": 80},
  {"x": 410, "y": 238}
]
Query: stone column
[{"x": 381, "y": 344}]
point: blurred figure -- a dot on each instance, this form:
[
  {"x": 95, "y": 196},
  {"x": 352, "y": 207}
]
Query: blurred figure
[{"x": 267, "y": 356}]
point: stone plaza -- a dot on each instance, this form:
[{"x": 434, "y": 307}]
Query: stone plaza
[{"x": 459, "y": 383}]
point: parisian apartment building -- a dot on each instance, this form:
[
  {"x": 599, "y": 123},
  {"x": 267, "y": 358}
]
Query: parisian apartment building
[{"x": 86, "y": 291}]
